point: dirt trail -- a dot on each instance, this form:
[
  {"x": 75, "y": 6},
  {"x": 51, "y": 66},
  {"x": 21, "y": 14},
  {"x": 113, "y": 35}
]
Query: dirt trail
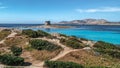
[
  {"x": 65, "y": 51},
  {"x": 90, "y": 43},
  {"x": 10, "y": 35},
  {"x": 60, "y": 55},
  {"x": 2, "y": 41}
]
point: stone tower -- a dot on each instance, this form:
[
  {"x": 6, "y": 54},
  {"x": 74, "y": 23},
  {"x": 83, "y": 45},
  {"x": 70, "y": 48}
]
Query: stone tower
[{"x": 47, "y": 23}]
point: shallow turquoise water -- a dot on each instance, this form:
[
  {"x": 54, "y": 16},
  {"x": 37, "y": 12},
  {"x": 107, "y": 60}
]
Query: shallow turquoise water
[
  {"x": 96, "y": 33},
  {"x": 107, "y": 36}
]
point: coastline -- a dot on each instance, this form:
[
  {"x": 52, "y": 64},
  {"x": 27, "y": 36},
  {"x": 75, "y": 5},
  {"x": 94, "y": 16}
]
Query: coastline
[
  {"x": 73, "y": 29},
  {"x": 20, "y": 30},
  {"x": 50, "y": 26},
  {"x": 56, "y": 25}
]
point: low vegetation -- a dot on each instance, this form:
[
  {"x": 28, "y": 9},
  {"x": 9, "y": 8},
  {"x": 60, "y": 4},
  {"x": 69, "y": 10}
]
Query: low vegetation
[
  {"x": 12, "y": 60},
  {"x": 28, "y": 46},
  {"x": 16, "y": 50},
  {"x": 43, "y": 45},
  {"x": 107, "y": 48},
  {"x": 63, "y": 35},
  {"x": 35, "y": 34},
  {"x": 72, "y": 42},
  {"x": 84, "y": 39},
  {"x": 89, "y": 60},
  {"x": 60, "y": 64},
  {"x": 4, "y": 33}
]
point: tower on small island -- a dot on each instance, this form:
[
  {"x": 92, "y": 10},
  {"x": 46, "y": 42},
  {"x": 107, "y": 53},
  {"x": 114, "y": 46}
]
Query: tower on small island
[{"x": 47, "y": 23}]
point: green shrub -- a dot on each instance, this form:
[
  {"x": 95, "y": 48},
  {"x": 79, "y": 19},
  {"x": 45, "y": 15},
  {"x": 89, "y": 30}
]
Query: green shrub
[
  {"x": 60, "y": 64},
  {"x": 84, "y": 39},
  {"x": 105, "y": 45},
  {"x": 96, "y": 67},
  {"x": 63, "y": 35},
  {"x": 43, "y": 45},
  {"x": 35, "y": 34},
  {"x": 73, "y": 36},
  {"x": 62, "y": 40},
  {"x": 72, "y": 42},
  {"x": 114, "y": 54},
  {"x": 75, "y": 39},
  {"x": 30, "y": 33},
  {"x": 16, "y": 50},
  {"x": 107, "y": 48},
  {"x": 11, "y": 60},
  {"x": 42, "y": 33}
]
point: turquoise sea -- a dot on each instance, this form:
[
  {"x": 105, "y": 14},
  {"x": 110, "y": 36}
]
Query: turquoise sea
[{"x": 108, "y": 33}]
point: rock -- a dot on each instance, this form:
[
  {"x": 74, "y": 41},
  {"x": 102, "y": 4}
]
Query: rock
[{"x": 87, "y": 48}]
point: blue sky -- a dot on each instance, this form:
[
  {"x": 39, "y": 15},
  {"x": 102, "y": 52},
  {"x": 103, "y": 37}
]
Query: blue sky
[{"x": 35, "y": 11}]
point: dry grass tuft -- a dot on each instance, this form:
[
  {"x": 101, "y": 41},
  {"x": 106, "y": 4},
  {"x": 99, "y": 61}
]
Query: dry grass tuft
[
  {"x": 4, "y": 33},
  {"x": 4, "y": 50},
  {"x": 44, "y": 54},
  {"x": 18, "y": 40}
]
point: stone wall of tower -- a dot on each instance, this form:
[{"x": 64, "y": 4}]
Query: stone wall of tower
[{"x": 47, "y": 23}]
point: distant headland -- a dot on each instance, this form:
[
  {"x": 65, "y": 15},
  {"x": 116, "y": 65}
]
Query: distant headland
[
  {"x": 48, "y": 24},
  {"x": 90, "y": 22}
]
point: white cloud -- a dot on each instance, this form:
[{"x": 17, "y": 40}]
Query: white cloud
[{"x": 103, "y": 9}]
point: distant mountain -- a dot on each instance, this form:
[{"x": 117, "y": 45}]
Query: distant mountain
[{"x": 86, "y": 21}]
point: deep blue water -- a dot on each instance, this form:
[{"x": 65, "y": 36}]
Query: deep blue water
[
  {"x": 18, "y": 25},
  {"x": 108, "y": 33}
]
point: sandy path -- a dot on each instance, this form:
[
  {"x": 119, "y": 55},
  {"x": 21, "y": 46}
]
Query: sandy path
[
  {"x": 65, "y": 51},
  {"x": 90, "y": 43},
  {"x": 10, "y": 35},
  {"x": 2, "y": 41}
]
